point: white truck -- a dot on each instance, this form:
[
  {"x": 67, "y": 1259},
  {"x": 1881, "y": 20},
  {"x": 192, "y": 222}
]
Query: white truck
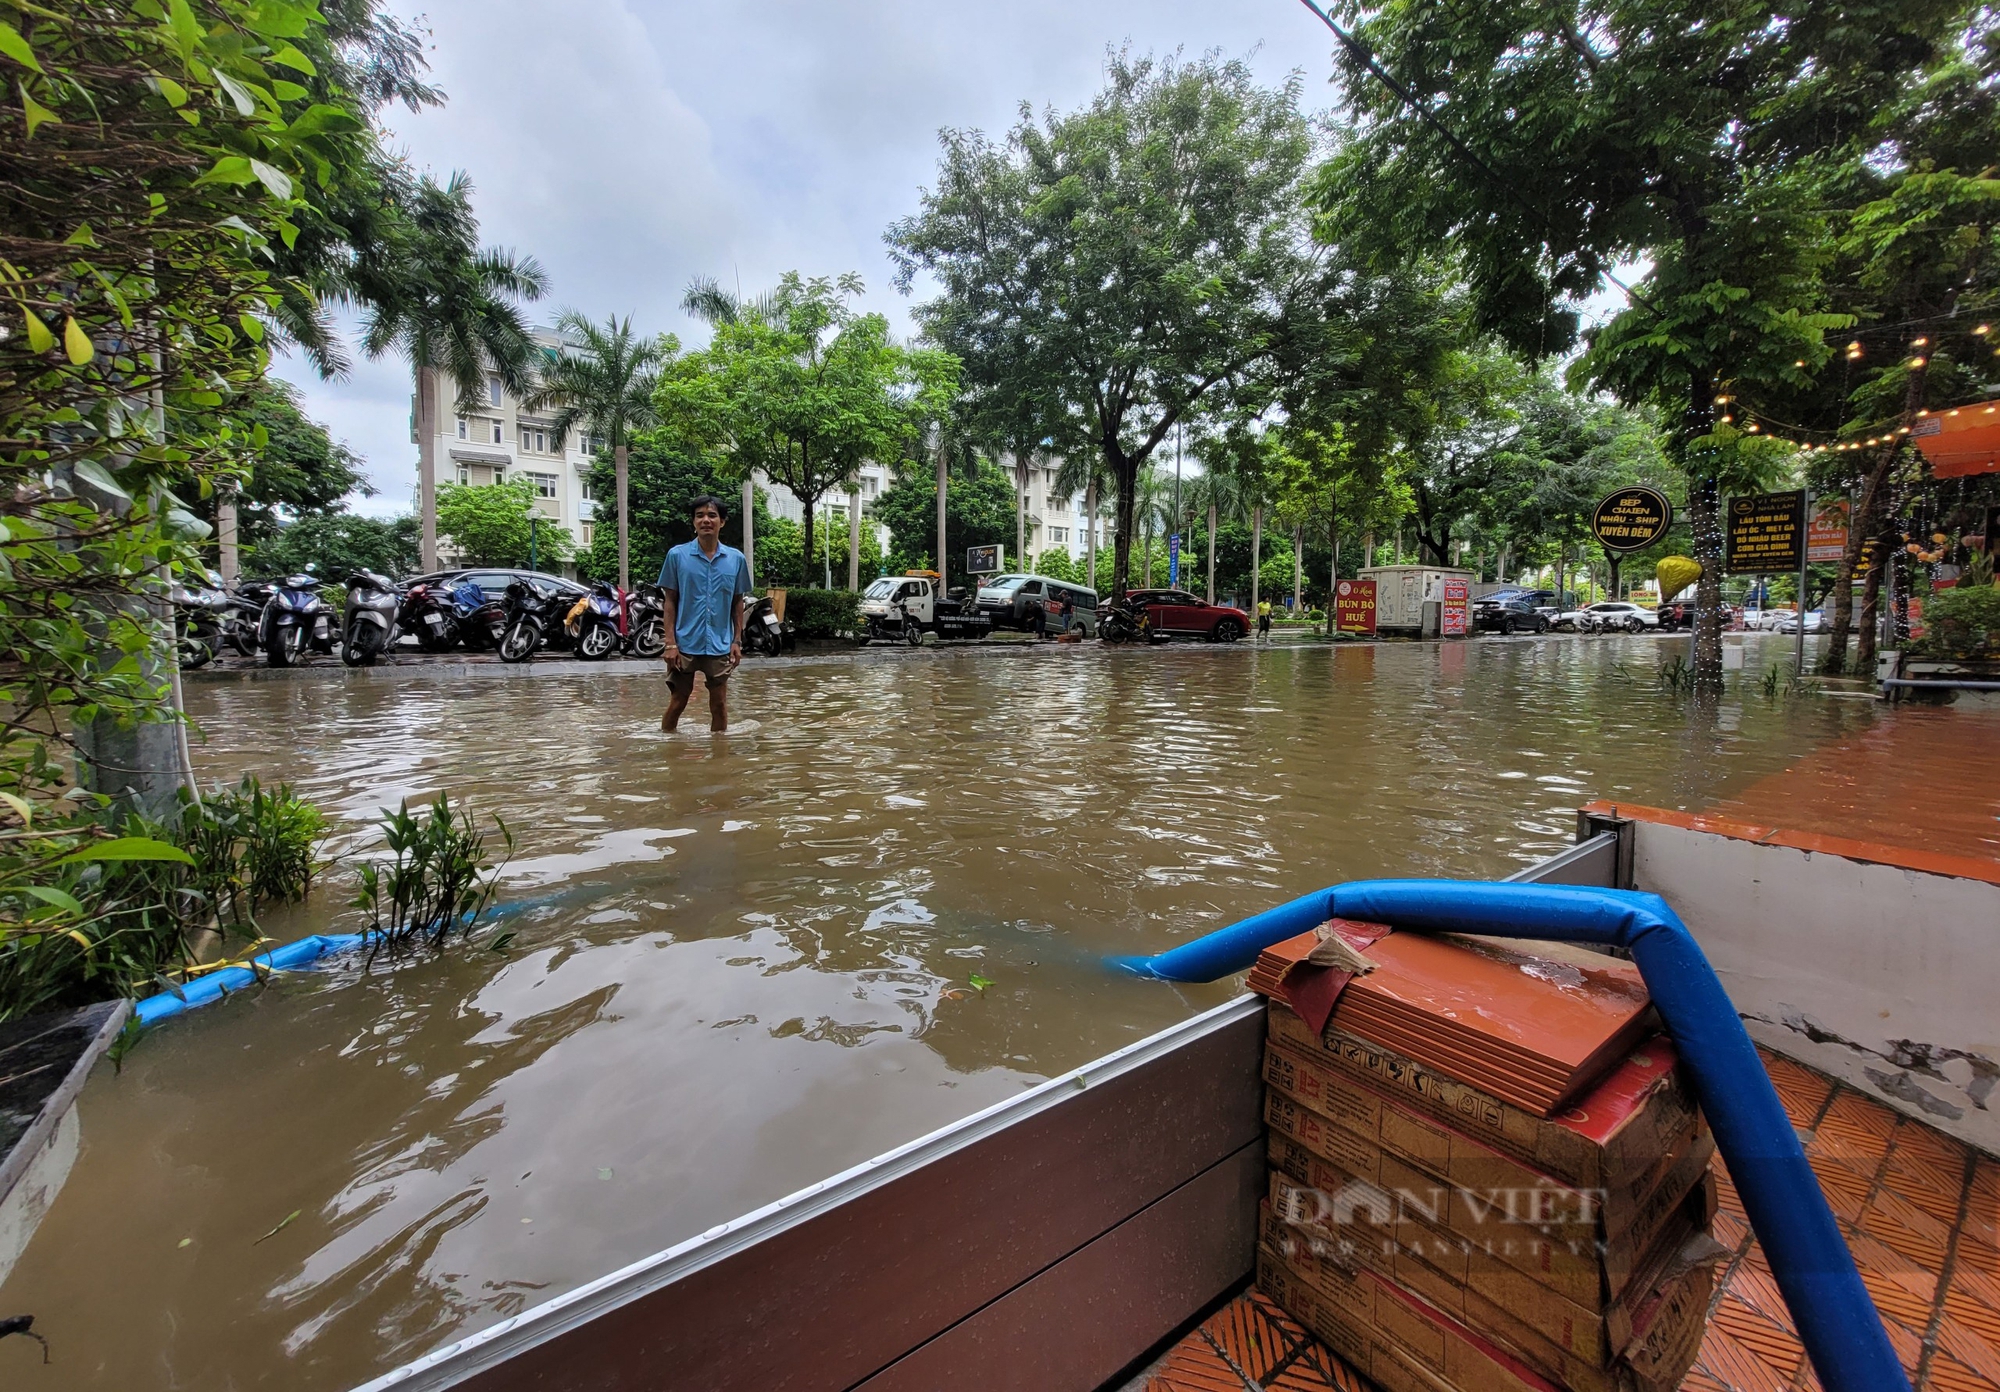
[{"x": 909, "y": 605}]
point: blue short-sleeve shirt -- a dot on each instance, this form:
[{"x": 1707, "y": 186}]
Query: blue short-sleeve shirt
[{"x": 707, "y": 590}]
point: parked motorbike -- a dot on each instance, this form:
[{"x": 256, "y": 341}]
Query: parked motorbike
[
  {"x": 531, "y": 613},
  {"x": 432, "y": 617},
  {"x": 648, "y": 622},
  {"x": 295, "y": 620},
  {"x": 245, "y": 616},
  {"x": 201, "y": 616},
  {"x": 482, "y": 622},
  {"x": 596, "y": 622},
  {"x": 764, "y": 632},
  {"x": 368, "y": 624},
  {"x": 1120, "y": 622},
  {"x": 607, "y": 619}
]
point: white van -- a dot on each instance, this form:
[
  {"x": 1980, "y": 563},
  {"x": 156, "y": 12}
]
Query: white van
[{"x": 1034, "y": 603}]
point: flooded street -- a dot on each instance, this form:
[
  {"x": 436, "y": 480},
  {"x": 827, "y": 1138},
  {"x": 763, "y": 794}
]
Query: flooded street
[{"x": 748, "y": 959}]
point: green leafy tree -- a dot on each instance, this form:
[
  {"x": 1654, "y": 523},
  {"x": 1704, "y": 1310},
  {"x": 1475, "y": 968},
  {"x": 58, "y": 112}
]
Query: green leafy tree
[
  {"x": 336, "y": 544},
  {"x": 1126, "y": 266},
  {"x": 784, "y": 551},
  {"x": 1569, "y": 451},
  {"x": 449, "y": 306},
  {"x": 665, "y": 475},
  {"x": 1057, "y": 564},
  {"x": 1546, "y": 147},
  {"x": 153, "y": 161},
  {"x": 1919, "y": 257},
  {"x": 979, "y": 511},
  {"x": 604, "y": 384},
  {"x": 491, "y": 525},
  {"x": 300, "y": 470},
  {"x": 805, "y": 390},
  {"x": 158, "y": 160}
]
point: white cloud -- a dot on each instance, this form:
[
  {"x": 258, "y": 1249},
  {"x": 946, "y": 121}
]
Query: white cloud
[{"x": 631, "y": 145}]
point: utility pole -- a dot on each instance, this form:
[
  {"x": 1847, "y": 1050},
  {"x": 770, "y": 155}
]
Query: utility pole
[
  {"x": 226, "y": 559},
  {"x": 944, "y": 575}
]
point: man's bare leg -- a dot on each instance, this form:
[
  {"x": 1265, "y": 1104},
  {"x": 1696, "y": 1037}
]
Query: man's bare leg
[
  {"x": 718, "y": 706},
  {"x": 677, "y": 701}
]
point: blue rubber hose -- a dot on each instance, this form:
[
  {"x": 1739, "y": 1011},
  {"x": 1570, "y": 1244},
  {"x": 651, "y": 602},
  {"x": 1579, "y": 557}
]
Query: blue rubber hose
[{"x": 1836, "y": 1319}]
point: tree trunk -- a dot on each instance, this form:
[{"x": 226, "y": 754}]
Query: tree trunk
[
  {"x": 1256, "y": 555},
  {"x": 1090, "y": 543},
  {"x": 1500, "y": 571},
  {"x": 1864, "y": 524},
  {"x": 1211, "y": 549},
  {"x": 1126, "y": 474},
  {"x": 1332, "y": 566},
  {"x": 854, "y": 537},
  {"x": 1705, "y": 523},
  {"x": 749, "y": 526},
  {"x": 624, "y": 518},
  {"x": 1368, "y": 550},
  {"x": 1870, "y": 620},
  {"x": 1298, "y": 569},
  {"x": 809, "y": 507},
  {"x": 943, "y": 485},
  {"x": 427, "y": 496}
]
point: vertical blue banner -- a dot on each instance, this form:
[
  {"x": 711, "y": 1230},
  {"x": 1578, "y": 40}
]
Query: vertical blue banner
[{"x": 1174, "y": 561}]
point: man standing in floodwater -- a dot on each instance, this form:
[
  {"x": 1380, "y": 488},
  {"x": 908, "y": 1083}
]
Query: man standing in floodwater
[{"x": 706, "y": 584}]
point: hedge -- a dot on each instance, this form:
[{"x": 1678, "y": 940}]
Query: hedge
[
  {"x": 1962, "y": 623},
  {"x": 824, "y": 613}
]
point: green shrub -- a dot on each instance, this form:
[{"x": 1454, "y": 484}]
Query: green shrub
[
  {"x": 88, "y": 912},
  {"x": 824, "y": 613},
  {"x": 1962, "y": 623}
]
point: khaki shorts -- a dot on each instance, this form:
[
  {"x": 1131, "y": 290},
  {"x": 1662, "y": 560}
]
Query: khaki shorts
[{"x": 680, "y": 676}]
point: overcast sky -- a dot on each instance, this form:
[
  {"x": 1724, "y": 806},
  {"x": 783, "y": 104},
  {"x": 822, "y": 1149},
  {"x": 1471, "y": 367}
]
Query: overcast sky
[{"x": 630, "y": 145}]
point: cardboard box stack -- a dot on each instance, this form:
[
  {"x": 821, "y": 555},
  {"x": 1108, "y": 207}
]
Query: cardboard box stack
[{"x": 1486, "y": 1173}]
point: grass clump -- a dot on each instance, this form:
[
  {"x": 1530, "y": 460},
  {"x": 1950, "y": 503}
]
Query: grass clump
[{"x": 438, "y": 882}]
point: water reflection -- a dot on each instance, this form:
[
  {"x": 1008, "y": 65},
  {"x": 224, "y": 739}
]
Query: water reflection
[{"x": 747, "y": 962}]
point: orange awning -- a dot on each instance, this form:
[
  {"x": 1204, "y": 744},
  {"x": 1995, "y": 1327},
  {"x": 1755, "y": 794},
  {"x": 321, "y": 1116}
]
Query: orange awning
[{"x": 1964, "y": 440}]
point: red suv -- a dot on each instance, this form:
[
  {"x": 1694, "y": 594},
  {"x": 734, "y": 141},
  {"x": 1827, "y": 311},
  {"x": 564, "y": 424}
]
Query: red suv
[{"x": 1178, "y": 612}]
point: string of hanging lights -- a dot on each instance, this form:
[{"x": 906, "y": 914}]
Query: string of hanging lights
[{"x": 1919, "y": 356}]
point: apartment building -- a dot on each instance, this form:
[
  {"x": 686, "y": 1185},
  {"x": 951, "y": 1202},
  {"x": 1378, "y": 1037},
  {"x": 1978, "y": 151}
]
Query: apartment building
[
  {"x": 497, "y": 439},
  {"x": 1054, "y": 518}
]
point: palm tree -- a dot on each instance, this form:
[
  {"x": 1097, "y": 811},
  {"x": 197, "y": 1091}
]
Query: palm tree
[
  {"x": 1243, "y": 453},
  {"x": 449, "y": 305},
  {"x": 707, "y": 301},
  {"x": 1219, "y": 492},
  {"x": 1151, "y": 508},
  {"x": 1084, "y": 471},
  {"x": 606, "y": 387}
]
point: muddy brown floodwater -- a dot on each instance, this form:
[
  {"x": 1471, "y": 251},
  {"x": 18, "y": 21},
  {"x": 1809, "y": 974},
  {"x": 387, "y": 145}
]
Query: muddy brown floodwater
[{"x": 749, "y": 963}]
